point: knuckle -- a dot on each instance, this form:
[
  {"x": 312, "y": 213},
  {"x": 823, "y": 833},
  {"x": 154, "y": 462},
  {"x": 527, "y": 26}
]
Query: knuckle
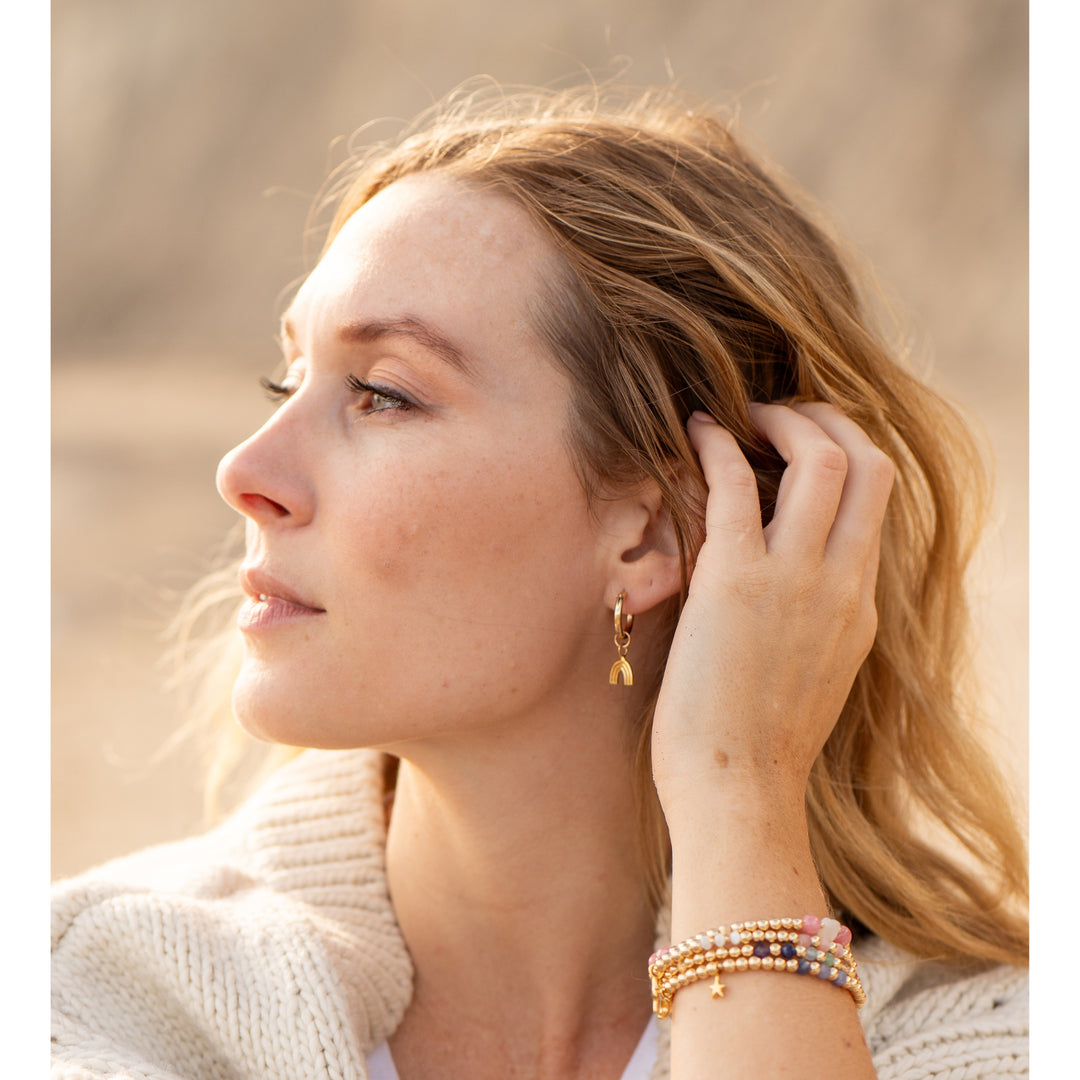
[
  {"x": 736, "y": 475},
  {"x": 828, "y": 457}
]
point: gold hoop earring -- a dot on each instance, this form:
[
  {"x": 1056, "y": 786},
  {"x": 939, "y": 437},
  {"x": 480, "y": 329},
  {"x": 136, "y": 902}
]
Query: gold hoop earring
[{"x": 622, "y": 667}]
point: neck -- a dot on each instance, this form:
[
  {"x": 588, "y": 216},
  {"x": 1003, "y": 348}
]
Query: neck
[{"x": 515, "y": 871}]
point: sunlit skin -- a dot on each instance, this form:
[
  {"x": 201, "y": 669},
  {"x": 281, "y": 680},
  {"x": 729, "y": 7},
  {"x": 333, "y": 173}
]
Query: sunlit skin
[{"x": 444, "y": 591}]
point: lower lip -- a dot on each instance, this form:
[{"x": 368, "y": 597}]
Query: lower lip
[{"x": 258, "y": 615}]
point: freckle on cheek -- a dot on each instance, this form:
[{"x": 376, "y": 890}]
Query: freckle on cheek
[{"x": 721, "y": 759}]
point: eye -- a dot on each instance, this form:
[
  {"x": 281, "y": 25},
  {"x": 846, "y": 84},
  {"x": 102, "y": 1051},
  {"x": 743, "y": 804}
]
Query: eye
[
  {"x": 376, "y": 398},
  {"x": 278, "y": 392}
]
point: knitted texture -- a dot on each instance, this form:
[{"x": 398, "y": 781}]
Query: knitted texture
[{"x": 268, "y": 949}]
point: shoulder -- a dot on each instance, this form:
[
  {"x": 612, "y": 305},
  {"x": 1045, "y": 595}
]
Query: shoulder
[
  {"x": 211, "y": 954},
  {"x": 924, "y": 1019}
]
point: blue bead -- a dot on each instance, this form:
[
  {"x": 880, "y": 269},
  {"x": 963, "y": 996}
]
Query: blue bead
[
  {"x": 823, "y": 973},
  {"x": 841, "y": 978},
  {"x": 804, "y": 967},
  {"x": 811, "y": 954},
  {"x": 761, "y": 949},
  {"x": 787, "y": 950}
]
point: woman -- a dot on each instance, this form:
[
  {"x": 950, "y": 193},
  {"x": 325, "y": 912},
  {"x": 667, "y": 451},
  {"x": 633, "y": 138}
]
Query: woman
[{"x": 571, "y": 371}]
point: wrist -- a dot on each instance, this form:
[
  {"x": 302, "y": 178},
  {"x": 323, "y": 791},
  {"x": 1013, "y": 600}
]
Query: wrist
[
  {"x": 748, "y": 809},
  {"x": 741, "y": 855}
]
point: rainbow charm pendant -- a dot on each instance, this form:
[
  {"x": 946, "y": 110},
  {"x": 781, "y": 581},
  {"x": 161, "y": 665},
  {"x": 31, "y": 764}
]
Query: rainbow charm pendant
[{"x": 622, "y": 668}]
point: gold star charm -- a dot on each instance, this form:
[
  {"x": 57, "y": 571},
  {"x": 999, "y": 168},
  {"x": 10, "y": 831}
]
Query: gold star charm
[{"x": 717, "y": 988}]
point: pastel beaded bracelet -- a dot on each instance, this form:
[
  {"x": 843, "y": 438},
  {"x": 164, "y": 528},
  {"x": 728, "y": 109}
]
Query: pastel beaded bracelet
[{"x": 806, "y": 946}]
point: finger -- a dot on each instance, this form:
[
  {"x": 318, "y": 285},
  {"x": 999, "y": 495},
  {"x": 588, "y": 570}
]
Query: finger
[
  {"x": 856, "y": 530},
  {"x": 811, "y": 486},
  {"x": 732, "y": 511},
  {"x": 868, "y": 592}
]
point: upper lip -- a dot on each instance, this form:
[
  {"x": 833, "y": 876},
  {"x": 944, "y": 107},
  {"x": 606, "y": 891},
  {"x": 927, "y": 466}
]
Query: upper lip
[{"x": 258, "y": 583}]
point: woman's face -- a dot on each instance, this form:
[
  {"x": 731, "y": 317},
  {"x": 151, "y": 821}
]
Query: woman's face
[{"x": 415, "y": 524}]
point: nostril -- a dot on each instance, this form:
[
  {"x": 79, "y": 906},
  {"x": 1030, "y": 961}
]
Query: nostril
[{"x": 255, "y": 504}]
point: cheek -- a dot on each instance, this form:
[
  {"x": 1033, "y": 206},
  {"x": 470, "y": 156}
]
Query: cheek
[
  {"x": 408, "y": 529},
  {"x": 478, "y": 536}
]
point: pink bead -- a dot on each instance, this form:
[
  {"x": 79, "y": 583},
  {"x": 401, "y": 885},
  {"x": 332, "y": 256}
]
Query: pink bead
[
  {"x": 843, "y": 937},
  {"x": 811, "y": 924},
  {"x": 805, "y": 940}
]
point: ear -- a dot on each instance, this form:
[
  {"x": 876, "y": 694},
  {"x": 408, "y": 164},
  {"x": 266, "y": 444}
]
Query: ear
[{"x": 641, "y": 553}]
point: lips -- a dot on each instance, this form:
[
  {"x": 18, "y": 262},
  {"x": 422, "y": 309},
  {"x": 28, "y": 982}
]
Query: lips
[
  {"x": 263, "y": 588},
  {"x": 271, "y": 603}
]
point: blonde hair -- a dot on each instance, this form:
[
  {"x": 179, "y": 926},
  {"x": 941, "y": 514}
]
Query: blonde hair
[{"x": 692, "y": 279}]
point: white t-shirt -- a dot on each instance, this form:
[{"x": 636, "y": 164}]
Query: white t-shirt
[{"x": 381, "y": 1066}]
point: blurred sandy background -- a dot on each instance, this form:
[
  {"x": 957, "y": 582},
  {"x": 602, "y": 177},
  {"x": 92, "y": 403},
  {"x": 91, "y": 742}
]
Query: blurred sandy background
[{"x": 189, "y": 137}]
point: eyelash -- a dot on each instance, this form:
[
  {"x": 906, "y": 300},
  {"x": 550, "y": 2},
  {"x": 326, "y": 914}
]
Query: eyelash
[
  {"x": 358, "y": 386},
  {"x": 275, "y": 391},
  {"x": 278, "y": 392}
]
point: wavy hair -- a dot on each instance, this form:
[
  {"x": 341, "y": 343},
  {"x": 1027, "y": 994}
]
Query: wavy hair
[{"x": 694, "y": 278}]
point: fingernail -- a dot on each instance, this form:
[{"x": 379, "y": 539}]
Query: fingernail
[{"x": 702, "y": 417}]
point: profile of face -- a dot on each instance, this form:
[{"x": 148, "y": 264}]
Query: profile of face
[{"x": 421, "y": 557}]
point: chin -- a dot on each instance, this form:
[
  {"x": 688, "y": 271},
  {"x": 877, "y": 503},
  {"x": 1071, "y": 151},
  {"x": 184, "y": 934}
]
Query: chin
[
  {"x": 267, "y": 714},
  {"x": 291, "y": 715}
]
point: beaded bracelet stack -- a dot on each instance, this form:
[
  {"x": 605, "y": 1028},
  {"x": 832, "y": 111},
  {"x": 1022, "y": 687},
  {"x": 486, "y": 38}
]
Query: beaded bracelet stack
[{"x": 806, "y": 946}]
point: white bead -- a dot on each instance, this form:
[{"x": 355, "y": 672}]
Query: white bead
[{"x": 829, "y": 929}]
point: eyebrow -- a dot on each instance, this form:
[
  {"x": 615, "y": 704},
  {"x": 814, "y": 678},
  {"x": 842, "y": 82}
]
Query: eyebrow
[{"x": 424, "y": 334}]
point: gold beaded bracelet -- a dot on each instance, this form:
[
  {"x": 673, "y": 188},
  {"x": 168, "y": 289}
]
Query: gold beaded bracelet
[{"x": 806, "y": 946}]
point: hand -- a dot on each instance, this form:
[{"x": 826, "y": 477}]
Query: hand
[{"x": 778, "y": 620}]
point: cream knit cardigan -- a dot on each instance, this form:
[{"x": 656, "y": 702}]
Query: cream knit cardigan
[{"x": 268, "y": 950}]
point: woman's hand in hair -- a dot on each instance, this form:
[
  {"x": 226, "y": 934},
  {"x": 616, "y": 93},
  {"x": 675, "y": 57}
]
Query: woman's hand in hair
[
  {"x": 776, "y": 625},
  {"x": 778, "y": 620}
]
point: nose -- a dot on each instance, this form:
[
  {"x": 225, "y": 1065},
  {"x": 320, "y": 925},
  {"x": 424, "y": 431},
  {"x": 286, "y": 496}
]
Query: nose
[{"x": 264, "y": 478}]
